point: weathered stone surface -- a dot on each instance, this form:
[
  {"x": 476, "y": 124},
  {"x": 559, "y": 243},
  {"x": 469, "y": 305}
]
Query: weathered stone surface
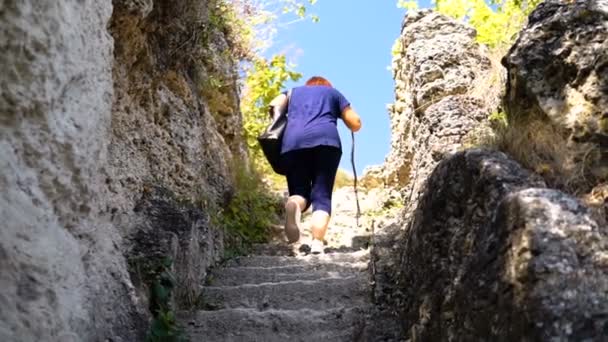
[
  {"x": 100, "y": 106},
  {"x": 165, "y": 130},
  {"x": 433, "y": 111},
  {"x": 558, "y": 78},
  {"x": 487, "y": 256},
  {"x": 175, "y": 137},
  {"x": 179, "y": 231},
  {"x": 62, "y": 277}
]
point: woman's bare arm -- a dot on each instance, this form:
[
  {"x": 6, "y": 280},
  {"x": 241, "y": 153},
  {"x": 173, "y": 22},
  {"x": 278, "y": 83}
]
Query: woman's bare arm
[{"x": 351, "y": 119}]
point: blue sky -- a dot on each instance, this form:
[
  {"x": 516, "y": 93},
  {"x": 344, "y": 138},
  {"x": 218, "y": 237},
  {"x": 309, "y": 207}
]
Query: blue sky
[{"x": 351, "y": 47}]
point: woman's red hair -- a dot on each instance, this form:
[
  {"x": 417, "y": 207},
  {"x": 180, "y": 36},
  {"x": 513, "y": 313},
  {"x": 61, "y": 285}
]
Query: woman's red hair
[{"x": 318, "y": 80}]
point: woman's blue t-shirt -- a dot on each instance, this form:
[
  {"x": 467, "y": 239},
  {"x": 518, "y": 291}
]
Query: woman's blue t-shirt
[{"x": 312, "y": 117}]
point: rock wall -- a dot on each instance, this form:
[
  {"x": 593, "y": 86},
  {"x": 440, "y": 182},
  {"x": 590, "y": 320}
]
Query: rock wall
[
  {"x": 176, "y": 134},
  {"x": 484, "y": 250},
  {"x": 556, "y": 98},
  {"x": 435, "y": 74},
  {"x": 113, "y": 146},
  {"x": 492, "y": 255},
  {"x": 557, "y": 93}
]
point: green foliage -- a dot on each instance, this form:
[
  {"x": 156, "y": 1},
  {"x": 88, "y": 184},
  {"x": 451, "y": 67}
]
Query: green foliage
[
  {"x": 391, "y": 205},
  {"x": 497, "y": 21},
  {"x": 498, "y": 119},
  {"x": 397, "y": 47},
  {"x": 408, "y": 4},
  {"x": 527, "y": 5},
  {"x": 252, "y": 210},
  {"x": 250, "y": 24},
  {"x": 164, "y": 327},
  {"x": 226, "y": 16},
  {"x": 299, "y": 8},
  {"x": 264, "y": 81},
  {"x": 276, "y": 182}
]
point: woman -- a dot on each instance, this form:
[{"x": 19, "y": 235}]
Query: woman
[{"x": 311, "y": 151}]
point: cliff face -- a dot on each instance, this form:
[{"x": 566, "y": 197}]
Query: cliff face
[
  {"x": 176, "y": 135},
  {"x": 557, "y": 93},
  {"x": 485, "y": 251},
  {"x": 438, "y": 68},
  {"x": 490, "y": 253},
  {"x": 114, "y": 143}
]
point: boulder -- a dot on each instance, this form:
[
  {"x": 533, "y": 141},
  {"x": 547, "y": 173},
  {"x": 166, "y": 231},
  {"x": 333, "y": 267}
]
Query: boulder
[
  {"x": 436, "y": 72},
  {"x": 557, "y": 93},
  {"x": 490, "y": 254}
]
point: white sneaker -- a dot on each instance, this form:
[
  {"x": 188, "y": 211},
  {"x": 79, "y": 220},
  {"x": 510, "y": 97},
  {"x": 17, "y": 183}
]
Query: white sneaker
[
  {"x": 293, "y": 215},
  {"x": 316, "y": 247}
]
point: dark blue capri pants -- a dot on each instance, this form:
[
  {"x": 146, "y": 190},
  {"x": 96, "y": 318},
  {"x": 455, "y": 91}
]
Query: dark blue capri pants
[{"x": 311, "y": 173}]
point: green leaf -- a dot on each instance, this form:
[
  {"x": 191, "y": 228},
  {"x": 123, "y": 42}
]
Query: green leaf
[{"x": 301, "y": 11}]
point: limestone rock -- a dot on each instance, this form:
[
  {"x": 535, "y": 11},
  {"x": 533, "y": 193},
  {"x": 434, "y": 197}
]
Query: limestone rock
[
  {"x": 168, "y": 229},
  {"x": 372, "y": 177},
  {"x": 62, "y": 275},
  {"x": 558, "y": 78},
  {"x": 490, "y": 256},
  {"x": 438, "y": 67},
  {"x": 101, "y": 102},
  {"x": 165, "y": 130},
  {"x": 483, "y": 250}
]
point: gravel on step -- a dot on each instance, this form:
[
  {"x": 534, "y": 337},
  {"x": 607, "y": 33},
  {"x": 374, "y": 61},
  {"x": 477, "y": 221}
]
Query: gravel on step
[
  {"x": 336, "y": 324},
  {"x": 273, "y": 261},
  {"x": 291, "y": 295},
  {"x": 232, "y": 276}
]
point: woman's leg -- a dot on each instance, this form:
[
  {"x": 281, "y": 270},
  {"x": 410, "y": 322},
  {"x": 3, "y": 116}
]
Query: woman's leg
[
  {"x": 299, "y": 180},
  {"x": 319, "y": 223},
  {"x": 293, "y": 214},
  {"x": 326, "y": 164}
]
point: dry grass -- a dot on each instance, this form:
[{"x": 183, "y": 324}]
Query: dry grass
[
  {"x": 597, "y": 201},
  {"x": 274, "y": 181},
  {"x": 343, "y": 179},
  {"x": 538, "y": 145},
  {"x": 530, "y": 138},
  {"x": 489, "y": 85}
]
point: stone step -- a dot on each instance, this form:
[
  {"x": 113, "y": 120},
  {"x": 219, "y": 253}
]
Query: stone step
[
  {"x": 274, "y": 261},
  {"x": 241, "y": 325},
  {"x": 291, "y": 295},
  {"x": 232, "y": 276}
]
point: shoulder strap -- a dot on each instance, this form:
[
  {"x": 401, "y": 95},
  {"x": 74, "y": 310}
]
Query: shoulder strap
[{"x": 288, "y": 99}]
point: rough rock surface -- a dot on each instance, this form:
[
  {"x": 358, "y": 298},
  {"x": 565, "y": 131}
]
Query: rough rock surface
[
  {"x": 111, "y": 149},
  {"x": 483, "y": 251},
  {"x": 61, "y": 272},
  {"x": 164, "y": 129},
  {"x": 436, "y": 69},
  {"x": 490, "y": 256},
  {"x": 176, "y": 135},
  {"x": 558, "y": 84},
  {"x": 179, "y": 231}
]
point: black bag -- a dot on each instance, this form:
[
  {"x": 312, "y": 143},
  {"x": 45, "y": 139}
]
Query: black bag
[{"x": 270, "y": 140}]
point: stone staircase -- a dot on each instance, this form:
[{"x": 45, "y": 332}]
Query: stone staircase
[
  {"x": 291, "y": 298},
  {"x": 278, "y": 294}
]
